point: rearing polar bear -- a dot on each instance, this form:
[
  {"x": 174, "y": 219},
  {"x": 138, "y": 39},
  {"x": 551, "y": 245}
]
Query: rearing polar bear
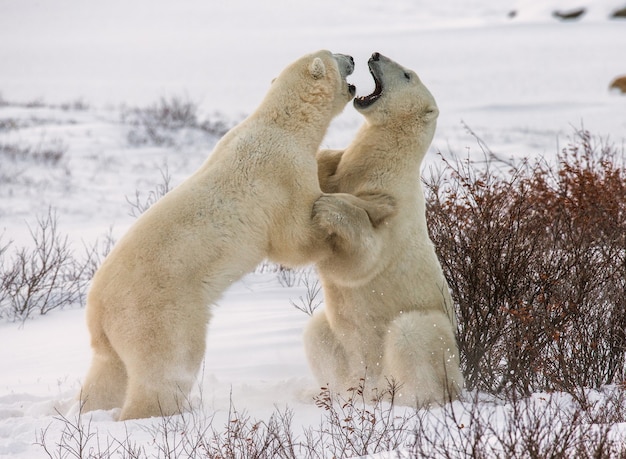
[
  {"x": 388, "y": 311},
  {"x": 149, "y": 303}
]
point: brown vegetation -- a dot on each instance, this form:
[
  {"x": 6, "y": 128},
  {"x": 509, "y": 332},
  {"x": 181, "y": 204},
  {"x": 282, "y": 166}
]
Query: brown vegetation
[
  {"x": 535, "y": 255},
  {"x": 619, "y": 84}
]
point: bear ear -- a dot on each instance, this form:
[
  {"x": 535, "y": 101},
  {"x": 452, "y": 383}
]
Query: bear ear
[{"x": 317, "y": 68}]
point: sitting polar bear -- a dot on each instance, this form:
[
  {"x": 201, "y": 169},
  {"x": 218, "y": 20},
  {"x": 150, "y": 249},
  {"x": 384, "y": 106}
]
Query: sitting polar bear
[
  {"x": 388, "y": 313},
  {"x": 148, "y": 306}
]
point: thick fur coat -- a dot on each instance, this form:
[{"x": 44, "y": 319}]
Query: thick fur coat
[
  {"x": 388, "y": 313},
  {"x": 150, "y": 301}
]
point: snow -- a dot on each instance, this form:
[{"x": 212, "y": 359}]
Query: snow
[{"x": 521, "y": 84}]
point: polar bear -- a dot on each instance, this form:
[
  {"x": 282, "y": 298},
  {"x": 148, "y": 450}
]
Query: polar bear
[
  {"x": 149, "y": 303},
  {"x": 388, "y": 313}
]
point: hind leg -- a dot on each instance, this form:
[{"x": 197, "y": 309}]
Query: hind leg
[
  {"x": 162, "y": 362},
  {"x": 421, "y": 354},
  {"x": 341, "y": 360},
  {"x": 160, "y": 392},
  {"x": 105, "y": 384},
  {"x": 327, "y": 357}
]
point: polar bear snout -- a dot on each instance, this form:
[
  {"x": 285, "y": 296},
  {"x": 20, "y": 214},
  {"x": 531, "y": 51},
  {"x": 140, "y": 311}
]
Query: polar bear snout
[
  {"x": 377, "y": 57},
  {"x": 345, "y": 63}
]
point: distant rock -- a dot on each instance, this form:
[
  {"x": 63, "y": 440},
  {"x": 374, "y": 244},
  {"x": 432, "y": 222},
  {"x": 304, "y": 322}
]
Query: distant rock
[
  {"x": 569, "y": 10},
  {"x": 568, "y": 15},
  {"x": 619, "y": 84},
  {"x": 619, "y": 13}
]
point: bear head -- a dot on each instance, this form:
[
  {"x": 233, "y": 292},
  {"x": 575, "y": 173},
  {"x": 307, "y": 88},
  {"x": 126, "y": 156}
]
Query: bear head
[
  {"x": 319, "y": 79},
  {"x": 399, "y": 99}
]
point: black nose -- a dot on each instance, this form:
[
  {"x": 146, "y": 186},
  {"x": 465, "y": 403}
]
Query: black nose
[{"x": 375, "y": 56}]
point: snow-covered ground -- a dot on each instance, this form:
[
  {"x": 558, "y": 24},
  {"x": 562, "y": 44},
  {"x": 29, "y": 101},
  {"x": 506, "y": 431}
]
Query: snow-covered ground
[{"x": 520, "y": 84}]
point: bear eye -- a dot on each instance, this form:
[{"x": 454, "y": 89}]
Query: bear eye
[{"x": 407, "y": 75}]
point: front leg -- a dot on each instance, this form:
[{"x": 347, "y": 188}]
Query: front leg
[
  {"x": 350, "y": 221},
  {"x": 380, "y": 207},
  {"x": 327, "y": 162}
]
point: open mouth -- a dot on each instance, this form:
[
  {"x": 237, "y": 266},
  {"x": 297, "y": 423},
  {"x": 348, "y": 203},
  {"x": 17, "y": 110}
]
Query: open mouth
[
  {"x": 366, "y": 101},
  {"x": 351, "y": 89}
]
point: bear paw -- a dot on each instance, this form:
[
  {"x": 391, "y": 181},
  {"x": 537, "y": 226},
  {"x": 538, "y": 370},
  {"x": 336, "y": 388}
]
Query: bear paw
[
  {"x": 338, "y": 216},
  {"x": 379, "y": 206},
  {"x": 348, "y": 216}
]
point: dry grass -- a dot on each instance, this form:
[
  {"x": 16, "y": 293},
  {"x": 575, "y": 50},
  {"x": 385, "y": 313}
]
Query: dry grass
[
  {"x": 159, "y": 123},
  {"x": 508, "y": 428}
]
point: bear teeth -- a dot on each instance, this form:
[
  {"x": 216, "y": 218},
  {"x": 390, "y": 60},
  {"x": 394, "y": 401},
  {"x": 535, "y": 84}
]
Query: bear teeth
[
  {"x": 368, "y": 99},
  {"x": 364, "y": 101}
]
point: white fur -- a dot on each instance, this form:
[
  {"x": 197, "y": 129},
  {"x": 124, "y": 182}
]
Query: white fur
[
  {"x": 150, "y": 301},
  {"x": 388, "y": 311}
]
